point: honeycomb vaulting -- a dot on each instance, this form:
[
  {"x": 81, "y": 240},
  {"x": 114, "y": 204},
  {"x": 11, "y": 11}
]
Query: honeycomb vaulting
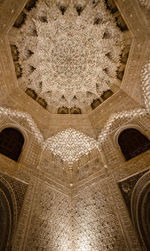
[
  {"x": 69, "y": 53},
  {"x": 74, "y": 74}
]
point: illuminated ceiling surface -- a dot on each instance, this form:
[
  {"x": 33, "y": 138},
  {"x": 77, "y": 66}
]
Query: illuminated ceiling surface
[{"x": 69, "y": 54}]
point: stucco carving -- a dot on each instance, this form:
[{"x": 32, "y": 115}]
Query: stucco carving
[
  {"x": 81, "y": 223},
  {"x": 70, "y": 145},
  {"x": 26, "y": 120},
  {"x": 145, "y": 3},
  {"x": 70, "y": 59},
  {"x": 88, "y": 219},
  {"x": 13, "y": 191},
  {"x": 121, "y": 116},
  {"x": 50, "y": 206},
  {"x": 145, "y": 79}
]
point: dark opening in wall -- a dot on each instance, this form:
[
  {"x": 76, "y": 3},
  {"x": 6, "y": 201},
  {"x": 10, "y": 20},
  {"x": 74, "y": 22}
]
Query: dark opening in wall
[
  {"x": 14, "y": 52},
  {"x": 106, "y": 94},
  {"x": 42, "y": 102},
  {"x": 20, "y": 20},
  {"x": 95, "y": 103},
  {"x": 30, "y": 4},
  {"x": 18, "y": 70},
  {"x": 121, "y": 23},
  {"x": 75, "y": 110},
  {"x": 31, "y": 93},
  {"x": 11, "y": 143},
  {"x": 111, "y": 6},
  {"x": 63, "y": 110},
  {"x": 132, "y": 143}
]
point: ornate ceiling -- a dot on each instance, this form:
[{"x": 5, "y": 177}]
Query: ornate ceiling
[
  {"x": 72, "y": 163},
  {"x": 77, "y": 146},
  {"x": 70, "y": 56},
  {"x": 71, "y": 145}
]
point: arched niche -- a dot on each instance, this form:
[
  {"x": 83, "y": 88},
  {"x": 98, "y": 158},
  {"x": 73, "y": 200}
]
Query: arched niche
[
  {"x": 8, "y": 215},
  {"x": 140, "y": 209},
  {"x": 132, "y": 143},
  {"x": 11, "y": 142},
  {"x": 5, "y": 221}
]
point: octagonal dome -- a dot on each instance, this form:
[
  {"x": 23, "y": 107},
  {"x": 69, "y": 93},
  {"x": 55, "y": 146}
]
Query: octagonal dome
[{"x": 70, "y": 56}]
